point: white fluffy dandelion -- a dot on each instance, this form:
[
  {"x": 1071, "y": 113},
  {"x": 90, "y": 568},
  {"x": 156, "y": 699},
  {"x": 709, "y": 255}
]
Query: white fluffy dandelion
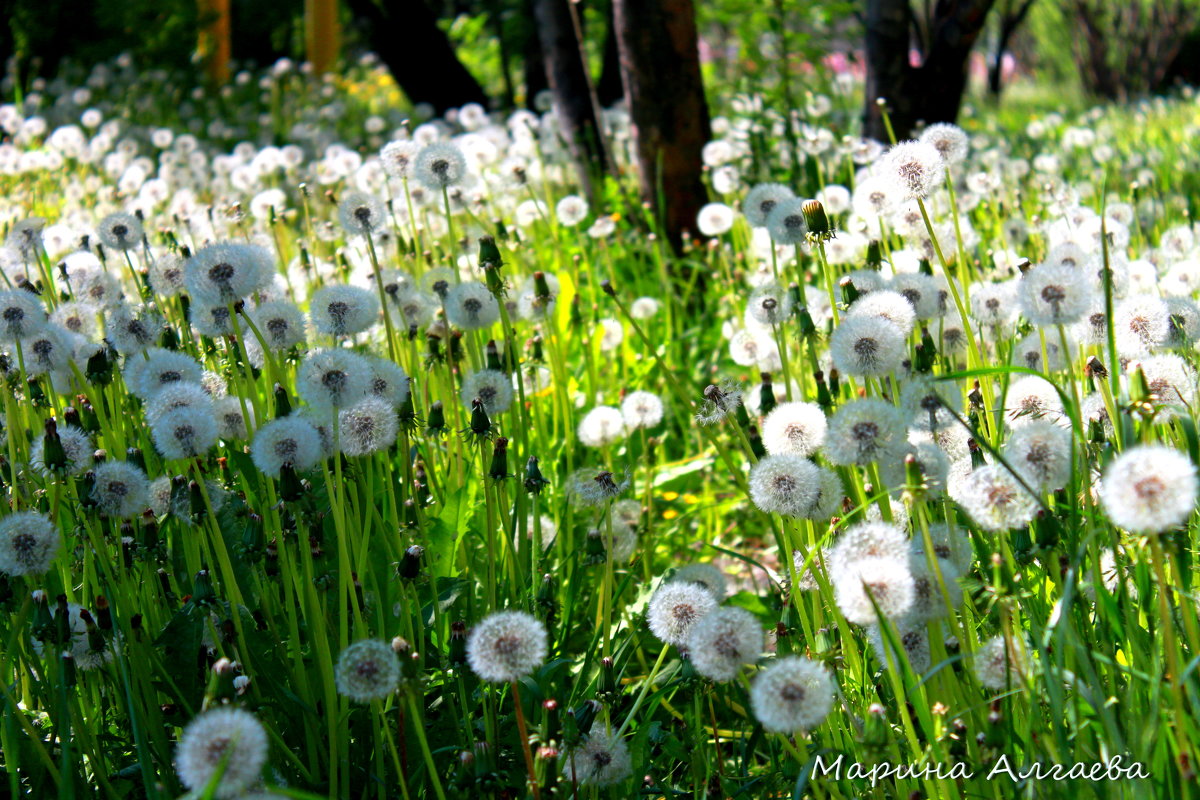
[
  {"x": 28, "y": 543},
  {"x": 675, "y": 608},
  {"x": 506, "y": 646},
  {"x": 601, "y": 426},
  {"x": 994, "y": 499},
  {"x": 291, "y": 441},
  {"x": 343, "y": 310},
  {"x": 602, "y": 760},
  {"x": 228, "y": 739},
  {"x": 119, "y": 489},
  {"x": 916, "y": 168},
  {"x": 1149, "y": 489},
  {"x": 721, "y": 642},
  {"x": 491, "y": 387},
  {"x": 792, "y": 694},
  {"x": 863, "y": 431},
  {"x": 367, "y": 670},
  {"x": 867, "y": 346},
  {"x": 795, "y": 428}
]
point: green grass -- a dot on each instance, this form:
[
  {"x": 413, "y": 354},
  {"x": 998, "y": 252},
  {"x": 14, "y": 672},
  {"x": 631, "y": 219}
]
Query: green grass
[{"x": 280, "y": 581}]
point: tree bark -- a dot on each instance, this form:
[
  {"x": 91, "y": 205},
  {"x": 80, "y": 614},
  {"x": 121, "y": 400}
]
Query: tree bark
[
  {"x": 660, "y": 69},
  {"x": 572, "y": 89},
  {"x": 1009, "y": 23},
  {"x": 931, "y": 92},
  {"x": 405, "y": 35},
  {"x": 535, "y": 62},
  {"x": 609, "y": 90}
]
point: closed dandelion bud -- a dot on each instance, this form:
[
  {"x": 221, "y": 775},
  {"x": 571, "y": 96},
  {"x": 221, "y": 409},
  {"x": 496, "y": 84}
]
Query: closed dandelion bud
[
  {"x": 490, "y": 262},
  {"x": 454, "y": 353},
  {"x": 54, "y": 456},
  {"x": 499, "y": 468},
  {"x": 480, "y": 427},
  {"x": 410, "y": 563},
  {"x": 458, "y": 643},
  {"x": 876, "y": 731},
  {"x": 874, "y": 255},
  {"x": 433, "y": 350},
  {"x": 740, "y": 415},
  {"x": 104, "y": 618},
  {"x": 202, "y": 589},
  {"x": 493, "y": 356},
  {"x": 815, "y": 218},
  {"x": 767, "y": 400},
  {"x": 43, "y": 622},
  {"x": 824, "y": 398},
  {"x": 977, "y": 458},
  {"x": 835, "y": 383},
  {"x": 62, "y": 620},
  {"x": 545, "y": 596},
  {"x": 435, "y": 423},
  {"x": 69, "y": 672},
  {"x": 849, "y": 292},
  {"x": 756, "y": 442},
  {"x": 534, "y": 482},
  {"x": 407, "y": 414}
]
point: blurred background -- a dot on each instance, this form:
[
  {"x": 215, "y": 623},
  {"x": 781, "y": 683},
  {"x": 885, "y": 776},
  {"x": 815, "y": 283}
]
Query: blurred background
[{"x": 1054, "y": 52}]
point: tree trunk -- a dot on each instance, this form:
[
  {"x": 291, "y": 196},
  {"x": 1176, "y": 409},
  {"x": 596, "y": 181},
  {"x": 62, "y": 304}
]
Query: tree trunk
[
  {"x": 406, "y": 37},
  {"x": 609, "y": 90},
  {"x": 931, "y": 92},
  {"x": 535, "y": 62},
  {"x": 660, "y": 68},
  {"x": 888, "y": 24},
  {"x": 571, "y": 88},
  {"x": 1009, "y": 23},
  {"x": 321, "y": 34}
]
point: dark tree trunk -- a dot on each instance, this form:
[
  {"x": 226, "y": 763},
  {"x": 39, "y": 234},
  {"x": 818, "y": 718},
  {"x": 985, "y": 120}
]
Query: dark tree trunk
[
  {"x": 406, "y": 37},
  {"x": 609, "y": 90},
  {"x": 572, "y": 90},
  {"x": 1009, "y": 23},
  {"x": 660, "y": 68},
  {"x": 931, "y": 92},
  {"x": 535, "y": 62}
]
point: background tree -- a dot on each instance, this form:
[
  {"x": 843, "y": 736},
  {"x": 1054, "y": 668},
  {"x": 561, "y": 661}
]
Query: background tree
[
  {"x": 574, "y": 96},
  {"x": 406, "y": 37},
  {"x": 1012, "y": 15},
  {"x": 660, "y": 68},
  {"x": 931, "y": 91},
  {"x": 1127, "y": 48}
]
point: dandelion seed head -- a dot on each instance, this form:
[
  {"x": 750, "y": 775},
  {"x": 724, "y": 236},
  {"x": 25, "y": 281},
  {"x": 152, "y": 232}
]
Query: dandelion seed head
[
  {"x": 291, "y": 441},
  {"x": 762, "y": 200},
  {"x": 506, "y": 646},
  {"x": 367, "y": 670},
  {"x": 602, "y": 760},
  {"x": 368, "y": 426},
  {"x": 439, "y": 166},
  {"x": 863, "y": 431},
  {"x": 675, "y": 608},
  {"x": 119, "y": 489},
  {"x": 1149, "y": 489},
  {"x": 120, "y": 231},
  {"x": 225, "y": 272},
  {"x": 867, "y": 346},
  {"x": 792, "y": 694},
  {"x": 1000, "y": 664},
  {"x": 795, "y": 428},
  {"x": 333, "y": 379},
  {"x": 994, "y": 500},
  {"x": 491, "y": 387},
  {"x": 227, "y": 736},
  {"x": 343, "y": 310},
  {"x": 361, "y": 213},
  {"x": 722, "y": 641},
  {"x": 29, "y": 541}
]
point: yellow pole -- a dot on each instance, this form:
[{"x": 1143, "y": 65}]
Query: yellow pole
[
  {"x": 321, "y": 33},
  {"x": 215, "y": 44}
]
